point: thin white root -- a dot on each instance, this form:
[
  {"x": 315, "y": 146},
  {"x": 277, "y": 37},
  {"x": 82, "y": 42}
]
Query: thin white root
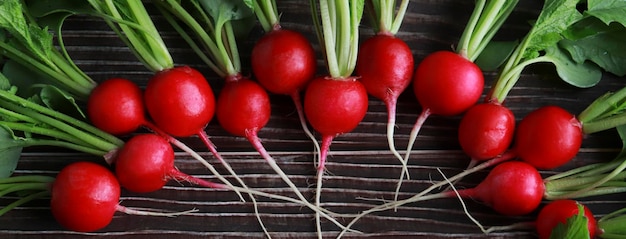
[{"x": 462, "y": 203}]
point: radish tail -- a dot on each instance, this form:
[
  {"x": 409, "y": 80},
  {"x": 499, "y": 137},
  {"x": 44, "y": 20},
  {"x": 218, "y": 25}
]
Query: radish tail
[
  {"x": 298, "y": 103},
  {"x": 180, "y": 176},
  {"x": 326, "y": 141},
  {"x": 256, "y": 143},
  {"x": 132, "y": 211},
  {"x": 207, "y": 141},
  {"x": 414, "y": 132},
  {"x": 193, "y": 154},
  {"x": 473, "y": 162},
  {"x": 421, "y": 196}
]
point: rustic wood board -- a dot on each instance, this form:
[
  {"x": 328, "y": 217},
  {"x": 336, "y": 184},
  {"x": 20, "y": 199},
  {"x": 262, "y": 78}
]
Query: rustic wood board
[{"x": 360, "y": 165}]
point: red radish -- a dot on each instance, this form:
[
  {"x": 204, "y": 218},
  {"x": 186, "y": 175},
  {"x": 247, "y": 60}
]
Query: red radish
[
  {"x": 548, "y": 137},
  {"x": 283, "y": 61},
  {"x": 146, "y": 164},
  {"x": 335, "y": 104},
  {"x": 333, "y": 107},
  {"x": 385, "y": 67},
  {"x": 116, "y": 106},
  {"x": 448, "y": 83},
  {"x": 559, "y": 211},
  {"x": 486, "y": 131},
  {"x": 86, "y": 195},
  {"x": 511, "y": 188},
  {"x": 243, "y": 107},
  {"x": 180, "y": 101}
]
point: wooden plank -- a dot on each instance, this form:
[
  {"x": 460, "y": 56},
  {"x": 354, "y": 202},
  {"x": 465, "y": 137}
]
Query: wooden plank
[{"x": 361, "y": 170}]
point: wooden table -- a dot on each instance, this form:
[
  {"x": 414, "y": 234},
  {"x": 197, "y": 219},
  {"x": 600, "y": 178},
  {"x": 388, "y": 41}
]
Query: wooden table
[{"x": 360, "y": 164}]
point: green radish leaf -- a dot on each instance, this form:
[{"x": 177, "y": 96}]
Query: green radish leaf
[
  {"x": 607, "y": 10},
  {"x": 226, "y": 10},
  {"x": 556, "y": 17},
  {"x": 10, "y": 152},
  {"x": 621, "y": 131},
  {"x": 249, "y": 3},
  {"x": 38, "y": 40},
  {"x": 574, "y": 228},
  {"x": 23, "y": 78},
  {"x": 602, "y": 44},
  {"x": 41, "y": 8},
  {"x": 59, "y": 100},
  {"x": 582, "y": 75},
  {"x": 494, "y": 54}
]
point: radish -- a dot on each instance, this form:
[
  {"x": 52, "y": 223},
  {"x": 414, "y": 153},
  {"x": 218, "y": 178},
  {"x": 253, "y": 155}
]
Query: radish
[
  {"x": 385, "y": 63},
  {"x": 486, "y": 131},
  {"x": 85, "y": 196},
  {"x": 557, "y": 212},
  {"x": 337, "y": 103},
  {"x": 448, "y": 83},
  {"x": 282, "y": 61},
  {"x": 146, "y": 163},
  {"x": 116, "y": 106}
]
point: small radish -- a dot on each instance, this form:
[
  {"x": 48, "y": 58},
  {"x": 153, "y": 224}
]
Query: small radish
[
  {"x": 559, "y": 211},
  {"x": 180, "y": 101},
  {"x": 85, "y": 196},
  {"x": 511, "y": 188},
  {"x": 548, "y": 137},
  {"x": 448, "y": 83},
  {"x": 116, "y": 106},
  {"x": 243, "y": 107},
  {"x": 335, "y": 104},
  {"x": 146, "y": 164},
  {"x": 385, "y": 64},
  {"x": 486, "y": 131}
]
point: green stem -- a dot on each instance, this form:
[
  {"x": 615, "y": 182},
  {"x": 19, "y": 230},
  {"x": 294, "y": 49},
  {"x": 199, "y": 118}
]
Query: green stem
[
  {"x": 612, "y": 224},
  {"x": 158, "y": 49},
  {"x": 397, "y": 21},
  {"x": 96, "y": 141},
  {"x": 25, "y": 60},
  {"x": 266, "y": 13},
  {"x": 466, "y": 37},
  {"x": 23, "y": 200},
  {"x": 111, "y": 141},
  {"x": 25, "y": 187},
  {"x": 208, "y": 60},
  {"x": 27, "y": 178},
  {"x": 234, "y": 52},
  {"x": 329, "y": 40},
  {"x": 509, "y": 77},
  {"x": 44, "y": 131},
  {"x": 495, "y": 13}
]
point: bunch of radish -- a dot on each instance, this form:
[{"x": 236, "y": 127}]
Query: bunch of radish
[
  {"x": 448, "y": 83},
  {"x": 243, "y": 106}
]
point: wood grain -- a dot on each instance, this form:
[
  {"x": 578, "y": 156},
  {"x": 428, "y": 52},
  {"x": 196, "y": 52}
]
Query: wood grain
[{"x": 360, "y": 166}]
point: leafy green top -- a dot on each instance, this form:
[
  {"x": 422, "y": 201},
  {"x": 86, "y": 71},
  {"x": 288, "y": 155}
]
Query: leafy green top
[
  {"x": 25, "y": 41},
  {"x": 338, "y": 31},
  {"x": 570, "y": 40},
  {"x": 574, "y": 228},
  {"x": 213, "y": 34}
]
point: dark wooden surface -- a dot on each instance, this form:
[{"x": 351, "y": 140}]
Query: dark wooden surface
[{"x": 360, "y": 165}]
